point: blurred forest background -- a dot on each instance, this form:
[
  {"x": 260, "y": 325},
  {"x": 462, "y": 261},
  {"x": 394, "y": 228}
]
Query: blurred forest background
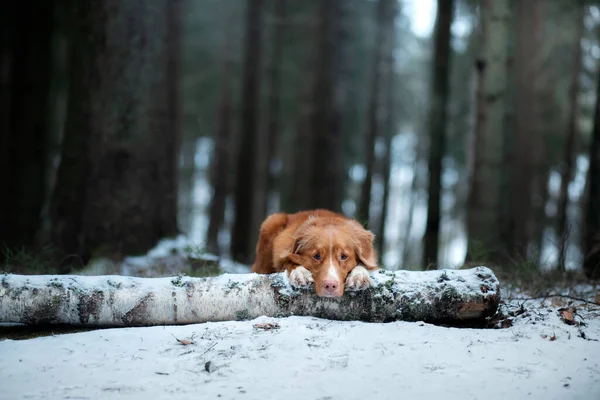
[{"x": 458, "y": 131}]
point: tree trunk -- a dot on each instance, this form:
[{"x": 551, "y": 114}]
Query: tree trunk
[
  {"x": 187, "y": 171},
  {"x": 172, "y": 121},
  {"x": 562, "y": 229},
  {"x": 389, "y": 124},
  {"x": 7, "y": 33},
  {"x": 274, "y": 108},
  {"x": 268, "y": 138},
  {"x": 219, "y": 180},
  {"x": 453, "y": 297},
  {"x": 27, "y": 71},
  {"x": 373, "y": 123},
  {"x": 437, "y": 128},
  {"x": 591, "y": 264},
  {"x": 485, "y": 194},
  {"x": 295, "y": 187},
  {"x": 325, "y": 130},
  {"x": 525, "y": 185},
  {"x": 241, "y": 245},
  {"x": 119, "y": 151}
]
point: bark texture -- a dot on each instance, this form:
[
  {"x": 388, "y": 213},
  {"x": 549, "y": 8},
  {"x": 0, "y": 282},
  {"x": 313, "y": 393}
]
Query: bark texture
[
  {"x": 116, "y": 183},
  {"x": 26, "y": 58},
  {"x": 221, "y": 161},
  {"x": 438, "y": 116},
  {"x": 451, "y": 297},
  {"x": 485, "y": 198},
  {"x": 389, "y": 120},
  {"x": 568, "y": 167},
  {"x": 241, "y": 233},
  {"x": 528, "y": 148},
  {"x": 324, "y": 178},
  {"x": 373, "y": 119},
  {"x": 591, "y": 265}
]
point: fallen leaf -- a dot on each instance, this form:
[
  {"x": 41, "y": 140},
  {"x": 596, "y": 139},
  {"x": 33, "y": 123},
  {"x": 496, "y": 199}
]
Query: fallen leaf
[
  {"x": 552, "y": 338},
  {"x": 567, "y": 314},
  {"x": 183, "y": 341},
  {"x": 544, "y": 336},
  {"x": 208, "y": 367},
  {"x": 267, "y": 326}
]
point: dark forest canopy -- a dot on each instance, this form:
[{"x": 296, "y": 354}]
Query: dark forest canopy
[{"x": 463, "y": 132}]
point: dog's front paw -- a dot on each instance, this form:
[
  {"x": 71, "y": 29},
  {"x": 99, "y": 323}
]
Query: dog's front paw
[
  {"x": 300, "y": 277},
  {"x": 358, "y": 279}
]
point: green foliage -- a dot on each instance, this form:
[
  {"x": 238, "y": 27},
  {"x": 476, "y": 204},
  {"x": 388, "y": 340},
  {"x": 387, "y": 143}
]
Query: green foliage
[
  {"x": 194, "y": 250},
  {"x": 24, "y": 261}
]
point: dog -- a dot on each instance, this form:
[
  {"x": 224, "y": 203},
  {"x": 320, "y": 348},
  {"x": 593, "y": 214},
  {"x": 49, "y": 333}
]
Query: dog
[{"x": 318, "y": 247}]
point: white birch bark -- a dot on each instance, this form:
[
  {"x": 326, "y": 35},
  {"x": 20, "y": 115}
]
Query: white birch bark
[{"x": 450, "y": 297}]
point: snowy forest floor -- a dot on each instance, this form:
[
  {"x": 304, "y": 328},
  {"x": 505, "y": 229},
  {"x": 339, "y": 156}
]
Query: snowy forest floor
[
  {"x": 548, "y": 348},
  {"x": 539, "y": 357}
]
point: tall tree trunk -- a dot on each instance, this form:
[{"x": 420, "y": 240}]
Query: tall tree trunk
[
  {"x": 389, "y": 124},
  {"x": 591, "y": 264},
  {"x": 484, "y": 199},
  {"x": 7, "y": 34},
  {"x": 295, "y": 187},
  {"x": 241, "y": 244},
  {"x": 269, "y": 134},
  {"x": 169, "y": 166},
  {"x": 222, "y": 152},
  {"x": 24, "y": 157},
  {"x": 572, "y": 132},
  {"x": 437, "y": 128},
  {"x": 324, "y": 123},
  {"x": 187, "y": 171},
  {"x": 413, "y": 199},
  {"x": 373, "y": 123},
  {"x": 525, "y": 185},
  {"x": 119, "y": 150},
  {"x": 274, "y": 108}
]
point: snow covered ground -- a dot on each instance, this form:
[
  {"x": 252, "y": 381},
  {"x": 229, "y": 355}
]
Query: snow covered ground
[{"x": 539, "y": 357}]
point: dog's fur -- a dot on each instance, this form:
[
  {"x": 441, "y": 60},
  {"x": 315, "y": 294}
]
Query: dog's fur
[{"x": 318, "y": 246}]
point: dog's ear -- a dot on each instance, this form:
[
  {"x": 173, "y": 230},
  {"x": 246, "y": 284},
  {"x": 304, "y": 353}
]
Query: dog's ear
[
  {"x": 295, "y": 258},
  {"x": 301, "y": 240},
  {"x": 302, "y": 236},
  {"x": 363, "y": 246}
]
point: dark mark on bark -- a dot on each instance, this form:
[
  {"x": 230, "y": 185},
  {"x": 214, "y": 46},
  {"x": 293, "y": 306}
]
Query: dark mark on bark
[
  {"x": 46, "y": 312},
  {"x": 137, "y": 315},
  {"x": 174, "y": 295},
  {"x": 90, "y": 305},
  {"x": 190, "y": 288}
]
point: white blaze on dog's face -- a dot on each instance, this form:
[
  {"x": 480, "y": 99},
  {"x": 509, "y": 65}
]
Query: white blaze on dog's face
[{"x": 330, "y": 249}]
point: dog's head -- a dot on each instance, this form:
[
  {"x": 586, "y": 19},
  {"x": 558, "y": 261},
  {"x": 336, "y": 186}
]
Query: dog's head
[{"x": 330, "y": 248}]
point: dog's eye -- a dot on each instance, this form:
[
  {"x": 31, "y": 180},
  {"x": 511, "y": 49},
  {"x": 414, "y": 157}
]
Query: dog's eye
[
  {"x": 343, "y": 257},
  {"x": 317, "y": 257}
]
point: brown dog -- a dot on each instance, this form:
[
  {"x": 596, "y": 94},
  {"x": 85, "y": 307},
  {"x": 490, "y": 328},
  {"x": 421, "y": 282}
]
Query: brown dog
[{"x": 317, "y": 246}]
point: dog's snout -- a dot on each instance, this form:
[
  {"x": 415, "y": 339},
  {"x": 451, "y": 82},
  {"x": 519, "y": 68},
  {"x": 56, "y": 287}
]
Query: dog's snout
[
  {"x": 331, "y": 288},
  {"x": 330, "y": 284}
]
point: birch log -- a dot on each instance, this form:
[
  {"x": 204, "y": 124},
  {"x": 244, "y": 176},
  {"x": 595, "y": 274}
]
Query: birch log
[{"x": 450, "y": 297}]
